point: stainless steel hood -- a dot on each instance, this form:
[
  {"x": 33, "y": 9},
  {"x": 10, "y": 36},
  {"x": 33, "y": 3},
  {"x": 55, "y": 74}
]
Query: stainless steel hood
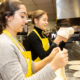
[
  {"x": 67, "y": 9},
  {"x": 68, "y": 14}
]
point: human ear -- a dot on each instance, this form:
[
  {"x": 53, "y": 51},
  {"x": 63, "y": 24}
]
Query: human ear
[
  {"x": 8, "y": 18},
  {"x": 36, "y": 21}
]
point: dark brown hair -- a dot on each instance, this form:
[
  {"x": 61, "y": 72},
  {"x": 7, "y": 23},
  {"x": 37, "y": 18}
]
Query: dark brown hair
[
  {"x": 36, "y": 14},
  {"x": 8, "y": 8},
  {"x": 57, "y": 28}
]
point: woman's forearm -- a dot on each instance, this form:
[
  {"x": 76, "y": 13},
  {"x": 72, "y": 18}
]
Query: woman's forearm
[{"x": 39, "y": 65}]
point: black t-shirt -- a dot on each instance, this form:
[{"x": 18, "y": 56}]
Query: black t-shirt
[{"x": 34, "y": 45}]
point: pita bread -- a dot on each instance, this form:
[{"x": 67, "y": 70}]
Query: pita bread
[
  {"x": 74, "y": 62},
  {"x": 74, "y": 67},
  {"x": 76, "y": 74}
]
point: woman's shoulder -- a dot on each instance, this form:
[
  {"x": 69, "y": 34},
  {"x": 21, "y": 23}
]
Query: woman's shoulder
[
  {"x": 4, "y": 39},
  {"x": 32, "y": 35},
  {"x": 7, "y": 44}
]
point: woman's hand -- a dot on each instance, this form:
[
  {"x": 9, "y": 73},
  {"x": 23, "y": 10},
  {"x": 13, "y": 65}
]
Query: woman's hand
[
  {"x": 53, "y": 53},
  {"x": 65, "y": 39},
  {"x": 39, "y": 65},
  {"x": 62, "y": 38},
  {"x": 60, "y": 60},
  {"x": 58, "y": 39}
]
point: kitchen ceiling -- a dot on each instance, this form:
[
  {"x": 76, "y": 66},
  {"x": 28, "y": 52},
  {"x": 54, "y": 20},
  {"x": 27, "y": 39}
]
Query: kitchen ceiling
[
  {"x": 48, "y": 5},
  {"x": 1, "y": 0}
]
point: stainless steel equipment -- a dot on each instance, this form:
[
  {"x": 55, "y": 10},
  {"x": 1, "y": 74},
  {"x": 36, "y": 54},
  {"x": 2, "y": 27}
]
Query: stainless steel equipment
[
  {"x": 23, "y": 40},
  {"x": 67, "y": 9}
]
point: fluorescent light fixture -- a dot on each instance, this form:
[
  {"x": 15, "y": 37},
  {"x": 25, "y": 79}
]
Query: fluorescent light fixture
[{"x": 29, "y": 20}]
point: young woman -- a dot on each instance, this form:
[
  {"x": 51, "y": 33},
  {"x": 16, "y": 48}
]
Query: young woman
[
  {"x": 15, "y": 61},
  {"x": 38, "y": 43}
]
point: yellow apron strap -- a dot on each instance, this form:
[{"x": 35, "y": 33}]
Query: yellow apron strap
[
  {"x": 44, "y": 36},
  {"x": 37, "y": 34},
  {"x": 26, "y": 54},
  {"x": 6, "y": 32},
  {"x": 38, "y": 59}
]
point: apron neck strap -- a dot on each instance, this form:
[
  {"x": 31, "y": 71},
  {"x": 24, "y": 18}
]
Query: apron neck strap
[
  {"x": 38, "y": 33},
  {"x": 6, "y": 32}
]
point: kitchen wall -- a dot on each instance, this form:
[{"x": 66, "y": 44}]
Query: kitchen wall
[
  {"x": 79, "y": 7},
  {"x": 51, "y": 25}
]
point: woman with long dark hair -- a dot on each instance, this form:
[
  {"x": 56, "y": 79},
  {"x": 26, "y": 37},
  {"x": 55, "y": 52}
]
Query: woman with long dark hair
[{"x": 15, "y": 61}]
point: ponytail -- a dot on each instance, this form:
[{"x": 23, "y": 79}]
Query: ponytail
[{"x": 30, "y": 14}]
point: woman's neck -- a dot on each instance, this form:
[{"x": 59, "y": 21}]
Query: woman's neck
[
  {"x": 38, "y": 29},
  {"x": 13, "y": 33}
]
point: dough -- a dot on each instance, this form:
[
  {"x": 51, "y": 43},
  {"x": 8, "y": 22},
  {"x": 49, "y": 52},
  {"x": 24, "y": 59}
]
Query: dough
[
  {"x": 65, "y": 32},
  {"x": 60, "y": 74},
  {"x": 74, "y": 62},
  {"x": 70, "y": 29},
  {"x": 74, "y": 67},
  {"x": 76, "y": 74}
]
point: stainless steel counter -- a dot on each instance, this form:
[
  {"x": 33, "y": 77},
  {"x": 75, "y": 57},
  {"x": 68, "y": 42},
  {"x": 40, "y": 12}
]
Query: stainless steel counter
[{"x": 69, "y": 73}]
